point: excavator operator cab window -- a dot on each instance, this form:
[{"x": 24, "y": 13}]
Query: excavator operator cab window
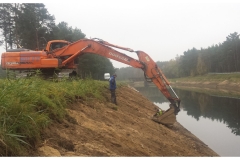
[{"x": 57, "y": 45}]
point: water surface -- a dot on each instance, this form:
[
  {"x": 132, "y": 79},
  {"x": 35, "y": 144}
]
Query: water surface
[{"x": 213, "y": 119}]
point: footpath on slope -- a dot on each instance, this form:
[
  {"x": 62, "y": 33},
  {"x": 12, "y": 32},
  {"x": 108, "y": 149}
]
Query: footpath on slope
[{"x": 94, "y": 128}]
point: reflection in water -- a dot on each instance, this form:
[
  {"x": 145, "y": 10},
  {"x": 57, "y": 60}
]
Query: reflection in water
[
  {"x": 223, "y": 109},
  {"x": 153, "y": 94},
  {"x": 215, "y": 120}
]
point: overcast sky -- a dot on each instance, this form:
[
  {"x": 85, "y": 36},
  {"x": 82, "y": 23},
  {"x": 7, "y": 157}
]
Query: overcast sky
[{"x": 162, "y": 29}]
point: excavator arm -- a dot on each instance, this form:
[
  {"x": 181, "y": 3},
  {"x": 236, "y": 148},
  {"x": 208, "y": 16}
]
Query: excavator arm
[
  {"x": 145, "y": 62},
  {"x": 64, "y": 57},
  {"x": 73, "y": 50}
]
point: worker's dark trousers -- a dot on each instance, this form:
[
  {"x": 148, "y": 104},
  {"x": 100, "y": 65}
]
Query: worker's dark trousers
[{"x": 113, "y": 96}]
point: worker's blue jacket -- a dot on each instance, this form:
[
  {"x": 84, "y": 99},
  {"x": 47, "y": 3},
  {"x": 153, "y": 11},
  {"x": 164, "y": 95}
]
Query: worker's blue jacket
[{"x": 112, "y": 83}]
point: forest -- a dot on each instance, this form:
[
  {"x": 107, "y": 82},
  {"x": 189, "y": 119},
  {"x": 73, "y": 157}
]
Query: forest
[
  {"x": 220, "y": 58},
  {"x": 30, "y": 25}
]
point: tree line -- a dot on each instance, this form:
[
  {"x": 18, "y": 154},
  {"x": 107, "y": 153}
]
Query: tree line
[
  {"x": 222, "y": 57},
  {"x": 31, "y": 26}
]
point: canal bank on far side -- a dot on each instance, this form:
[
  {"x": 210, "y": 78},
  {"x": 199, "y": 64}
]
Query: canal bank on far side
[{"x": 222, "y": 82}]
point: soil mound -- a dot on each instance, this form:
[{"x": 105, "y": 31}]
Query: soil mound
[{"x": 93, "y": 128}]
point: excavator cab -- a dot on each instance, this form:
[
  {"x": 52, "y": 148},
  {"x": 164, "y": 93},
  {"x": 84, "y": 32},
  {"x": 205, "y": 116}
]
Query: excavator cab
[{"x": 54, "y": 44}]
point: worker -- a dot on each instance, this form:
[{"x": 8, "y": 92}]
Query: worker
[{"x": 112, "y": 87}]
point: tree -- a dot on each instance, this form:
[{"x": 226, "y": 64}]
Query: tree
[
  {"x": 201, "y": 65},
  {"x": 94, "y": 66},
  {"x": 33, "y": 22},
  {"x": 232, "y": 42},
  {"x": 62, "y": 31},
  {"x": 7, "y": 24}
]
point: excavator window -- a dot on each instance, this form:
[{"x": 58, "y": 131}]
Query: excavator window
[{"x": 57, "y": 45}]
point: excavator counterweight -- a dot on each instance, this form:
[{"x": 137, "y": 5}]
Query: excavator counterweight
[{"x": 62, "y": 55}]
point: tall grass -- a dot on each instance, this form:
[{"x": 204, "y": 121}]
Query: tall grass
[{"x": 29, "y": 105}]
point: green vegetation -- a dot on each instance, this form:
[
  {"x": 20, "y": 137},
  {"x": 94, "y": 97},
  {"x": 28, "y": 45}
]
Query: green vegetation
[
  {"x": 212, "y": 78},
  {"x": 2, "y": 73},
  {"x": 129, "y": 73},
  {"x": 94, "y": 66},
  {"x": 29, "y": 105},
  {"x": 233, "y": 77},
  {"x": 220, "y": 58},
  {"x": 211, "y": 92},
  {"x": 31, "y": 26}
]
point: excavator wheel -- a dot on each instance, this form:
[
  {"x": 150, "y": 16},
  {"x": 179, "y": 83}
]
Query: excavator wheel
[{"x": 167, "y": 118}]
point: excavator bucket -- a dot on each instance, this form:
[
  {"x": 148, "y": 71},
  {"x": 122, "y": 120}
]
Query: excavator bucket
[{"x": 167, "y": 117}]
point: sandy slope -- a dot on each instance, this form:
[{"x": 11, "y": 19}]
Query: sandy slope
[{"x": 94, "y": 128}]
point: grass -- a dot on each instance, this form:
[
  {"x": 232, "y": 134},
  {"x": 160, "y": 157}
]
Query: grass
[
  {"x": 212, "y": 92},
  {"x": 27, "y": 106},
  {"x": 234, "y": 77},
  {"x": 215, "y": 78}
]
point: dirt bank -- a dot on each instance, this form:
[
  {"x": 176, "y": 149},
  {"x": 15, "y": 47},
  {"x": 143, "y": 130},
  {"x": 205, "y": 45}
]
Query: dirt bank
[{"x": 94, "y": 128}]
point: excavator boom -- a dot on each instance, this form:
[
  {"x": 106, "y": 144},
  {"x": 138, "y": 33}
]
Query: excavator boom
[{"x": 64, "y": 57}]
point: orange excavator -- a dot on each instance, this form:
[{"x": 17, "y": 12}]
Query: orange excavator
[{"x": 63, "y": 54}]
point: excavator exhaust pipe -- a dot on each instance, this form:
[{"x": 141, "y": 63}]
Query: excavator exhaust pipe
[{"x": 167, "y": 117}]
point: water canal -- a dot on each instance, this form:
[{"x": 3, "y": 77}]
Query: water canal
[{"x": 214, "y": 119}]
